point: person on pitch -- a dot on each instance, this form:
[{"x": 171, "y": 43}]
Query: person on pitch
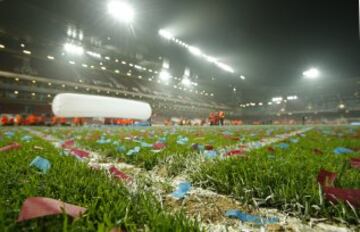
[{"x": 221, "y": 117}]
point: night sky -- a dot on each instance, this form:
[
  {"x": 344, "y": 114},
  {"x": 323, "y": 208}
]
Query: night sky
[{"x": 271, "y": 42}]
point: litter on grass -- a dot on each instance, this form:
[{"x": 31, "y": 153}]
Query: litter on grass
[
  {"x": 40, "y": 163},
  {"x": 133, "y": 151},
  {"x": 181, "y": 190},
  {"x": 244, "y": 217},
  {"x": 10, "y": 147},
  {"x": 35, "y": 207},
  {"x": 342, "y": 150}
]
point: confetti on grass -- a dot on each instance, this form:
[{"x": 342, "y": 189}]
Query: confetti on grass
[
  {"x": 34, "y": 207},
  {"x": 342, "y": 150},
  {"x": 326, "y": 179},
  {"x": 10, "y": 147},
  {"x": 68, "y": 144},
  {"x": 119, "y": 174},
  {"x": 239, "y": 152},
  {"x": 79, "y": 153},
  {"x": 159, "y": 146},
  {"x": 355, "y": 162},
  {"x": 133, "y": 151},
  {"x": 181, "y": 190},
  {"x": 244, "y": 217},
  {"x": 40, "y": 163}
]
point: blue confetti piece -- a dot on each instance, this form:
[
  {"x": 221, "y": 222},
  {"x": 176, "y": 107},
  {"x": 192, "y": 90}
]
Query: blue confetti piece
[
  {"x": 143, "y": 144},
  {"x": 103, "y": 140},
  {"x": 250, "y": 218},
  {"x": 342, "y": 150},
  {"x": 9, "y": 134},
  {"x": 227, "y": 133},
  {"x": 257, "y": 145},
  {"x": 26, "y": 138},
  {"x": 133, "y": 151},
  {"x": 162, "y": 140},
  {"x": 182, "y": 140},
  {"x": 211, "y": 154},
  {"x": 283, "y": 145},
  {"x": 120, "y": 149},
  {"x": 181, "y": 190},
  {"x": 41, "y": 163}
]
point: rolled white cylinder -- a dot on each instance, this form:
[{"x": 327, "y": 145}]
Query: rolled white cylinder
[{"x": 82, "y": 105}]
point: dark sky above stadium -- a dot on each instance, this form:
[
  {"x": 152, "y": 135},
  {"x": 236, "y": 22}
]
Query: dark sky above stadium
[{"x": 270, "y": 41}]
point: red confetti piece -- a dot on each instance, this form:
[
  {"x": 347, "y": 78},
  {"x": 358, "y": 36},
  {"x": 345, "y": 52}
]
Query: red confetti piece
[
  {"x": 34, "y": 207},
  {"x": 355, "y": 162},
  {"x": 318, "y": 151},
  {"x": 119, "y": 174},
  {"x": 239, "y": 152},
  {"x": 326, "y": 178},
  {"x": 336, "y": 195},
  {"x": 271, "y": 149},
  {"x": 79, "y": 153},
  {"x": 68, "y": 144},
  {"x": 10, "y": 147},
  {"x": 209, "y": 147},
  {"x": 159, "y": 146}
]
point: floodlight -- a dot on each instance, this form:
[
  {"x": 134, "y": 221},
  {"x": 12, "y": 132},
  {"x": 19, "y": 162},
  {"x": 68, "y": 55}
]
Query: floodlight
[
  {"x": 292, "y": 97},
  {"x": 311, "y": 73},
  {"x": 277, "y": 99},
  {"x": 164, "y": 75},
  {"x": 210, "y": 59},
  {"x": 186, "y": 81},
  {"x": 94, "y": 54},
  {"x": 2, "y": 46},
  {"x": 73, "y": 49},
  {"x": 242, "y": 77},
  {"x": 194, "y": 50},
  {"x": 27, "y": 52},
  {"x": 225, "y": 67},
  {"x": 50, "y": 57},
  {"x": 122, "y": 11},
  {"x": 342, "y": 106},
  {"x": 165, "y": 34}
]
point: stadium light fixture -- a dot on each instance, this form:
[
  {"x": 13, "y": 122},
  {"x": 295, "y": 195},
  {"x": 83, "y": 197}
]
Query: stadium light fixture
[
  {"x": 277, "y": 99},
  {"x": 2, "y": 46},
  {"x": 27, "y": 52},
  {"x": 73, "y": 49},
  {"x": 186, "y": 81},
  {"x": 50, "y": 57},
  {"x": 242, "y": 77},
  {"x": 312, "y": 73},
  {"x": 341, "y": 106},
  {"x": 122, "y": 11},
  {"x": 291, "y": 98},
  {"x": 94, "y": 54},
  {"x": 225, "y": 67},
  {"x": 195, "y": 51},
  {"x": 164, "y": 75},
  {"x": 166, "y": 34}
]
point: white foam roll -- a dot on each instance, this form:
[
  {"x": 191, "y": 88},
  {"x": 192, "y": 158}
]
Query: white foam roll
[{"x": 81, "y": 105}]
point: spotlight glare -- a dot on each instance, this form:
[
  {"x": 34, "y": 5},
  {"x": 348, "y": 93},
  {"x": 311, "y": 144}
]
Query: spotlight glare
[
  {"x": 311, "y": 73},
  {"x": 186, "y": 81},
  {"x": 165, "y": 34},
  {"x": 122, "y": 11},
  {"x": 194, "y": 50},
  {"x": 73, "y": 49},
  {"x": 164, "y": 75}
]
